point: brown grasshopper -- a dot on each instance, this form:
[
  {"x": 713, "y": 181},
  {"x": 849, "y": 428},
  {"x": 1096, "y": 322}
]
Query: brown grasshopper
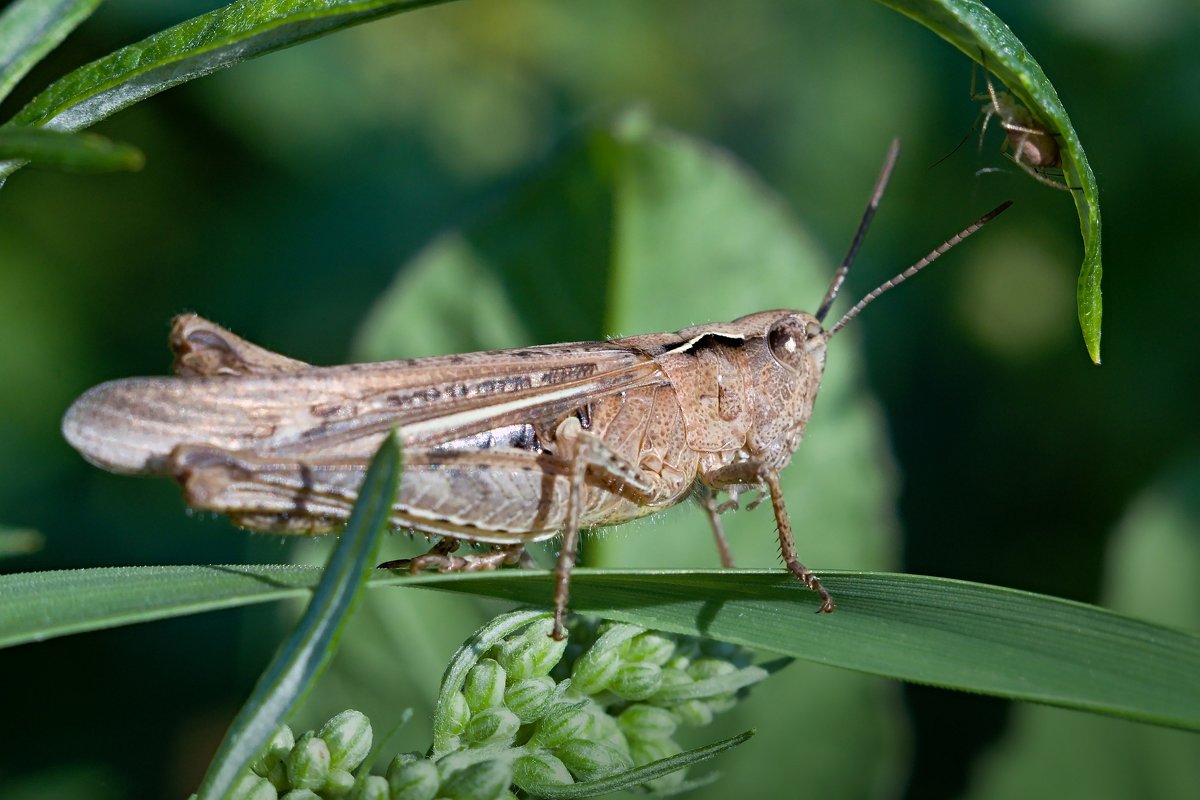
[{"x": 502, "y": 448}]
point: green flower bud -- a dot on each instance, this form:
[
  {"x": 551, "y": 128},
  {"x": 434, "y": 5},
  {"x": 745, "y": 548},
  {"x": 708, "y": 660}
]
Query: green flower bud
[
  {"x": 275, "y": 751},
  {"x": 646, "y": 722},
  {"x": 531, "y": 653},
  {"x": 636, "y": 680},
  {"x": 673, "y": 679},
  {"x": 654, "y": 647},
  {"x": 646, "y": 751},
  {"x": 348, "y": 735},
  {"x": 301, "y": 794},
  {"x": 458, "y": 714},
  {"x": 705, "y": 668},
  {"x": 605, "y": 729},
  {"x": 678, "y": 662},
  {"x": 594, "y": 669},
  {"x": 529, "y": 698},
  {"x": 540, "y": 768},
  {"x": 339, "y": 783},
  {"x": 483, "y": 780},
  {"x": 308, "y": 763},
  {"x": 372, "y": 787},
  {"x": 693, "y": 712},
  {"x": 412, "y": 779},
  {"x": 492, "y": 726},
  {"x": 589, "y": 761},
  {"x": 278, "y": 776},
  {"x": 252, "y": 787},
  {"x": 484, "y": 687},
  {"x": 562, "y": 724}
]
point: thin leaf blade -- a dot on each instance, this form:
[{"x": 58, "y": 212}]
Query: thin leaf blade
[
  {"x": 955, "y": 634},
  {"x": 73, "y": 152},
  {"x": 984, "y": 38},
  {"x": 29, "y": 29},
  {"x": 306, "y": 652},
  {"x": 190, "y": 50}
]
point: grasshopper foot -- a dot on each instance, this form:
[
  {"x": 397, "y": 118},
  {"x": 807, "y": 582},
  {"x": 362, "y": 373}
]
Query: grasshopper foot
[{"x": 813, "y": 583}]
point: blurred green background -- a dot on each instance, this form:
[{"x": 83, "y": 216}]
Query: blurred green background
[{"x": 283, "y": 197}]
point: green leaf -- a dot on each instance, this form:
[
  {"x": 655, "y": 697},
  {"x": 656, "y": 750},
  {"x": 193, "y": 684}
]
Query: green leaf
[
  {"x": 29, "y": 29},
  {"x": 639, "y": 775},
  {"x": 975, "y": 30},
  {"x": 74, "y": 152},
  {"x": 948, "y": 633},
  {"x": 191, "y": 50},
  {"x": 304, "y": 654}
]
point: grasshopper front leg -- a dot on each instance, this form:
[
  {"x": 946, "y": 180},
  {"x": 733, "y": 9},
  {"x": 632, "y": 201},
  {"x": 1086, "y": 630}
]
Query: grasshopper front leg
[{"x": 748, "y": 473}]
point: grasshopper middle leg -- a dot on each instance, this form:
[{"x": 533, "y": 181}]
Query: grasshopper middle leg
[
  {"x": 584, "y": 451},
  {"x": 441, "y": 558}
]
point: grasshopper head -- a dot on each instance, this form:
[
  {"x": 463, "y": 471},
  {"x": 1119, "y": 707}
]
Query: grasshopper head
[{"x": 786, "y": 368}]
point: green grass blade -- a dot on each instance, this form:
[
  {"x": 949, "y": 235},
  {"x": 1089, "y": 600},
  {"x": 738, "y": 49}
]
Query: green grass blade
[
  {"x": 191, "y": 50},
  {"x": 971, "y": 27},
  {"x": 73, "y": 152},
  {"x": 948, "y": 633},
  {"x": 29, "y": 29},
  {"x": 303, "y": 656}
]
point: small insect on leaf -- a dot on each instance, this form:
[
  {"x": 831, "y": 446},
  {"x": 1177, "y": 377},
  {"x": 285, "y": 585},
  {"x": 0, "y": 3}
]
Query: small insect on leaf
[
  {"x": 1032, "y": 145},
  {"x": 502, "y": 448}
]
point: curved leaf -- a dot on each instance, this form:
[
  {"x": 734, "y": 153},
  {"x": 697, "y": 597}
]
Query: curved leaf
[
  {"x": 29, "y": 29},
  {"x": 971, "y": 27},
  {"x": 303, "y": 655},
  {"x": 189, "y": 50},
  {"x": 948, "y": 633}
]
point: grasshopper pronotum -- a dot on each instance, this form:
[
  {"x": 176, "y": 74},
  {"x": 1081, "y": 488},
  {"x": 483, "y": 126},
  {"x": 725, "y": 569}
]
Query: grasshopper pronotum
[{"x": 502, "y": 448}]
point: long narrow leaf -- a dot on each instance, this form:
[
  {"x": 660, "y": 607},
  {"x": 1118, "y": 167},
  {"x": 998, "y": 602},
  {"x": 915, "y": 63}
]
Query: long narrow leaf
[
  {"x": 29, "y": 29},
  {"x": 305, "y": 653},
  {"x": 960, "y": 635},
  {"x": 74, "y": 152},
  {"x": 971, "y": 27},
  {"x": 191, "y": 50}
]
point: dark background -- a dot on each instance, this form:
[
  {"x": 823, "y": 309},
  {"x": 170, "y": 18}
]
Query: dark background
[{"x": 281, "y": 197}]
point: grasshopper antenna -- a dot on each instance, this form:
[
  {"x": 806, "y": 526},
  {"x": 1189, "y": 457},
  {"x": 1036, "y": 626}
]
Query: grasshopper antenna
[
  {"x": 937, "y": 252},
  {"x": 881, "y": 182}
]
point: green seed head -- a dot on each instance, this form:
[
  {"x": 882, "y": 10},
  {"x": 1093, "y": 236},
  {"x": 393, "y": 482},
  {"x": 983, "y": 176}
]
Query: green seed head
[
  {"x": 308, "y": 763},
  {"x": 483, "y": 780},
  {"x": 529, "y": 698},
  {"x": 412, "y": 778},
  {"x": 540, "y": 768},
  {"x": 484, "y": 686},
  {"x": 349, "y": 736},
  {"x": 492, "y": 726}
]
